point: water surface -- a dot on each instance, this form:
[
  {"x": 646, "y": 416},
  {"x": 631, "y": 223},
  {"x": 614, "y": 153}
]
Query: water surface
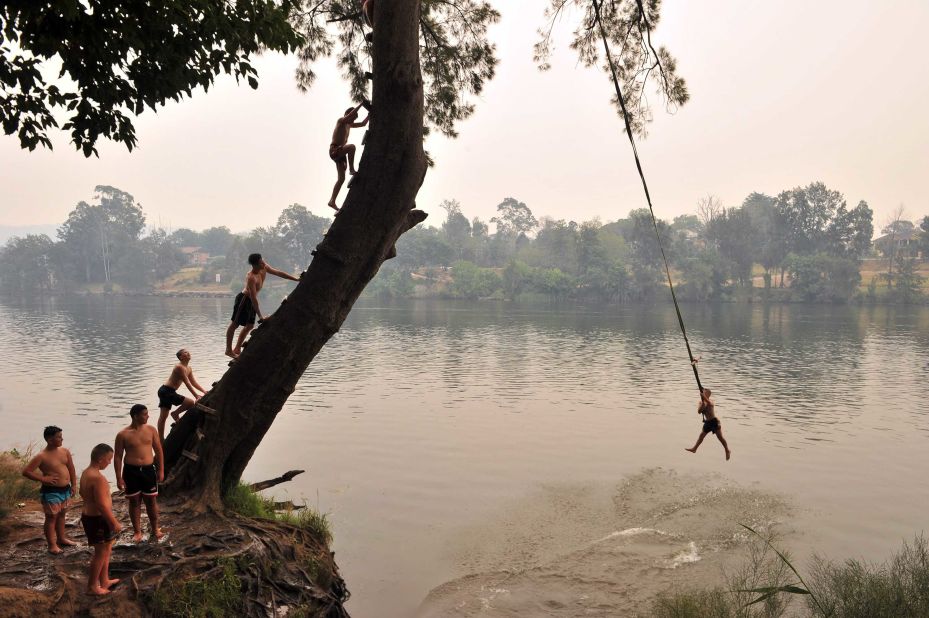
[{"x": 427, "y": 428}]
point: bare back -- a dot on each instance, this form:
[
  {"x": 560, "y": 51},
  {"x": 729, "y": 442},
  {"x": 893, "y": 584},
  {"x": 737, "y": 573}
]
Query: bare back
[
  {"x": 138, "y": 444},
  {"x": 256, "y": 279},
  {"x": 92, "y": 482}
]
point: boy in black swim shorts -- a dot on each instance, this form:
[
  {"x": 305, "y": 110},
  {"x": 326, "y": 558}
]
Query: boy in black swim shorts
[
  {"x": 143, "y": 470},
  {"x": 98, "y": 521},
  {"x": 711, "y": 424},
  {"x": 246, "y": 307},
  {"x": 182, "y": 373}
]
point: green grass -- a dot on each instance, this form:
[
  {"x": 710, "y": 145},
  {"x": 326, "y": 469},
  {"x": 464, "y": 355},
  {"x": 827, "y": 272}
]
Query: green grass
[
  {"x": 14, "y": 487},
  {"x": 898, "y": 588},
  {"x": 248, "y": 503},
  {"x": 203, "y": 597}
]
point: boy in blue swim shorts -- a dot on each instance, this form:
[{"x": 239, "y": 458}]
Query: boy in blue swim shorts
[{"x": 54, "y": 468}]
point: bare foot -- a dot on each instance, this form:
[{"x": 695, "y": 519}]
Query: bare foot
[
  {"x": 728, "y": 454},
  {"x": 333, "y": 206},
  {"x": 137, "y": 537},
  {"x": 97, "y": 591},
  {"x": 157, "y": 534},
  {"x": 692, "y": 450},
  {"x": 352, "y": 172},
  {"x": 230, "y": 353},
  {"x": 66, "y": 542},
  {"x": 54, "y": 549},
  {"x": 109, "y": 583},
  {"x": 176, "y": 416},
  {"x": 237, "y": 352}
]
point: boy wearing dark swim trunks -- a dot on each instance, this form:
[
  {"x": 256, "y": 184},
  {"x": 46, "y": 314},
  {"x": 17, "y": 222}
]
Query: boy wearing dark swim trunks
[
  {"x": 246, "y": 307},
  {"x": 340, "y": 151},
  {"x": 168, "y": 396},
  {"x": 98, "y": 521},
  {"x": 142, "y": 471},
  {"x": 710, "y": 422},
  {"x": 54, "y": 468}
]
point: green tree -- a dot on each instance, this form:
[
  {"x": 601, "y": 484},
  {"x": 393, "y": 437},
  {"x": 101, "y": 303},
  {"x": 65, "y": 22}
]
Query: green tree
[
  {"x": 472, "y": 281},
  {"x": 122, "y": 57},
  {"x": 27, "y": 265},
  {"x": 184, "y": 237},
  {"x": 216, "y": 240},
  {"x": 909, "y": 283},
  {"x": 733, "y": 231},
  {"x": 457, "y": 229},
  {"x": 514, "y": 218},
  {"x": 517, "y": 278},
  {"x": 628, "y": 25},
  {"x": 769, "y": 232},
  {"x": 96, "y": 237},
  {"x": 823, "y": 278},
  {"x": 807, "y": 213},
  {"x": 299, "y": 232}
]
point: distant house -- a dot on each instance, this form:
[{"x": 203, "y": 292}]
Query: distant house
[
  {"x": 196, "y": 256},
  {"x": 905, "y": 242}
]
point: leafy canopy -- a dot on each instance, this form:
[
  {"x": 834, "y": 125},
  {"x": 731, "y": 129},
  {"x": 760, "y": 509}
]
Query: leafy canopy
[
  {"x": 456, "y": 57},
  {"x": 628, "y": 25},
  {"x": 115, "y": 58}
]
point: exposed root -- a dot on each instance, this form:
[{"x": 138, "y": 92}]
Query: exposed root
[{"x": 235, "y": 565}]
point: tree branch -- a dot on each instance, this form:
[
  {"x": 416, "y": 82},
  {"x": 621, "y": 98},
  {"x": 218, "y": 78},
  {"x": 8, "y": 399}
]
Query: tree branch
[{"x": 275, "y": 481}]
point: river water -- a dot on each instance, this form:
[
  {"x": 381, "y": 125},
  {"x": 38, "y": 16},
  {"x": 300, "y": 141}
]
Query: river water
[{"x": 523, "y": 460}]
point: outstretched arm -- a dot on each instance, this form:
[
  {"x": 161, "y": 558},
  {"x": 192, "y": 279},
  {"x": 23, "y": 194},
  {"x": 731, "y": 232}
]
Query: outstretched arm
[
  {"x": 281, "y": 273},
  {"x": 193, "y": 381},
  {"x": 355, "y": 125}
]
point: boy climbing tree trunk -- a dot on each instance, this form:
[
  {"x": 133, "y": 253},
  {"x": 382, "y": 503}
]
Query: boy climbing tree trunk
[{"x": 208, "y": 450}]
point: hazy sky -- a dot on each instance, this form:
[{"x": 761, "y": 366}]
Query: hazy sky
[{"x": 782, "y": 94}]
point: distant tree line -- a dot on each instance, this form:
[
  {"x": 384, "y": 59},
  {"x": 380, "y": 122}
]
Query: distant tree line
[
  {"x": 804, "y": 242},
  {"x": 107, "y": 243}
]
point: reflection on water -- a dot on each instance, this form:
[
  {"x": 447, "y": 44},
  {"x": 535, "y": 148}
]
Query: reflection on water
[{"x": 420, "y": 417}]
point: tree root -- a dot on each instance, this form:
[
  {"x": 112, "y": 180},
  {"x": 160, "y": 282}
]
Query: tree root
[{"x": 232, "y": 564}]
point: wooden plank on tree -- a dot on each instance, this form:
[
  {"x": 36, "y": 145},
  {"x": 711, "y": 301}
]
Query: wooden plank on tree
[{"x": 205, "y": 409}]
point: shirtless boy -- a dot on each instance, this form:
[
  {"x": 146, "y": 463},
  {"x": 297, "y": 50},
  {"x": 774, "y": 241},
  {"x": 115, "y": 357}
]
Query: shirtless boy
[
  {"x": 140, "y": 474},
  {"x": 710, "y": 422},
  {"x": 100, "y": 526},
  {"x": 246, "y": 302},
  {"x": 340, "y": 149},
  {"x": 54, "y": 468},
  {"x": 168, "y": 396}
]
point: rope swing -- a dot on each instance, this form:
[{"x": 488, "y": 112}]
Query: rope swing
[{"x": 638, "y": 164}]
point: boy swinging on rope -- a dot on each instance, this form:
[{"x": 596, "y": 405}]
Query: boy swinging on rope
[
  {"x": 710, "y": 422},
  {"x": 340, "y": 151}
]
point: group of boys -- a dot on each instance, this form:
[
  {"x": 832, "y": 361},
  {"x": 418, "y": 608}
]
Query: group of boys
[
  {"x": 138, "y": 453},
  {"x": 139, "y": 469}
]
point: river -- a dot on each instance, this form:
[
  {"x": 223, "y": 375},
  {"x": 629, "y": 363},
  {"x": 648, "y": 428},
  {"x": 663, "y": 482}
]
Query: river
[{"x": 449, "y": 438}]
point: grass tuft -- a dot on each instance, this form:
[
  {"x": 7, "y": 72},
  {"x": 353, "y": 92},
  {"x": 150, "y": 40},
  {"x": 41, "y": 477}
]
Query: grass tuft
[
  {"x": 244, "y": 501},
  {"x": 203, "y": 597},
  {"x": 14, "y": 487},
  {"x": 898, "y": 588}
]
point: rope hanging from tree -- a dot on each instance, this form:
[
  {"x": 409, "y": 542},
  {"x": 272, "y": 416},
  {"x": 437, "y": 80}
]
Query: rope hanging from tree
[{"x": 638, "y": 164}]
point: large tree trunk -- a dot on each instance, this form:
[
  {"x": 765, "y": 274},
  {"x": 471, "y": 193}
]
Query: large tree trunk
[{"x": 206, "y": 452}]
